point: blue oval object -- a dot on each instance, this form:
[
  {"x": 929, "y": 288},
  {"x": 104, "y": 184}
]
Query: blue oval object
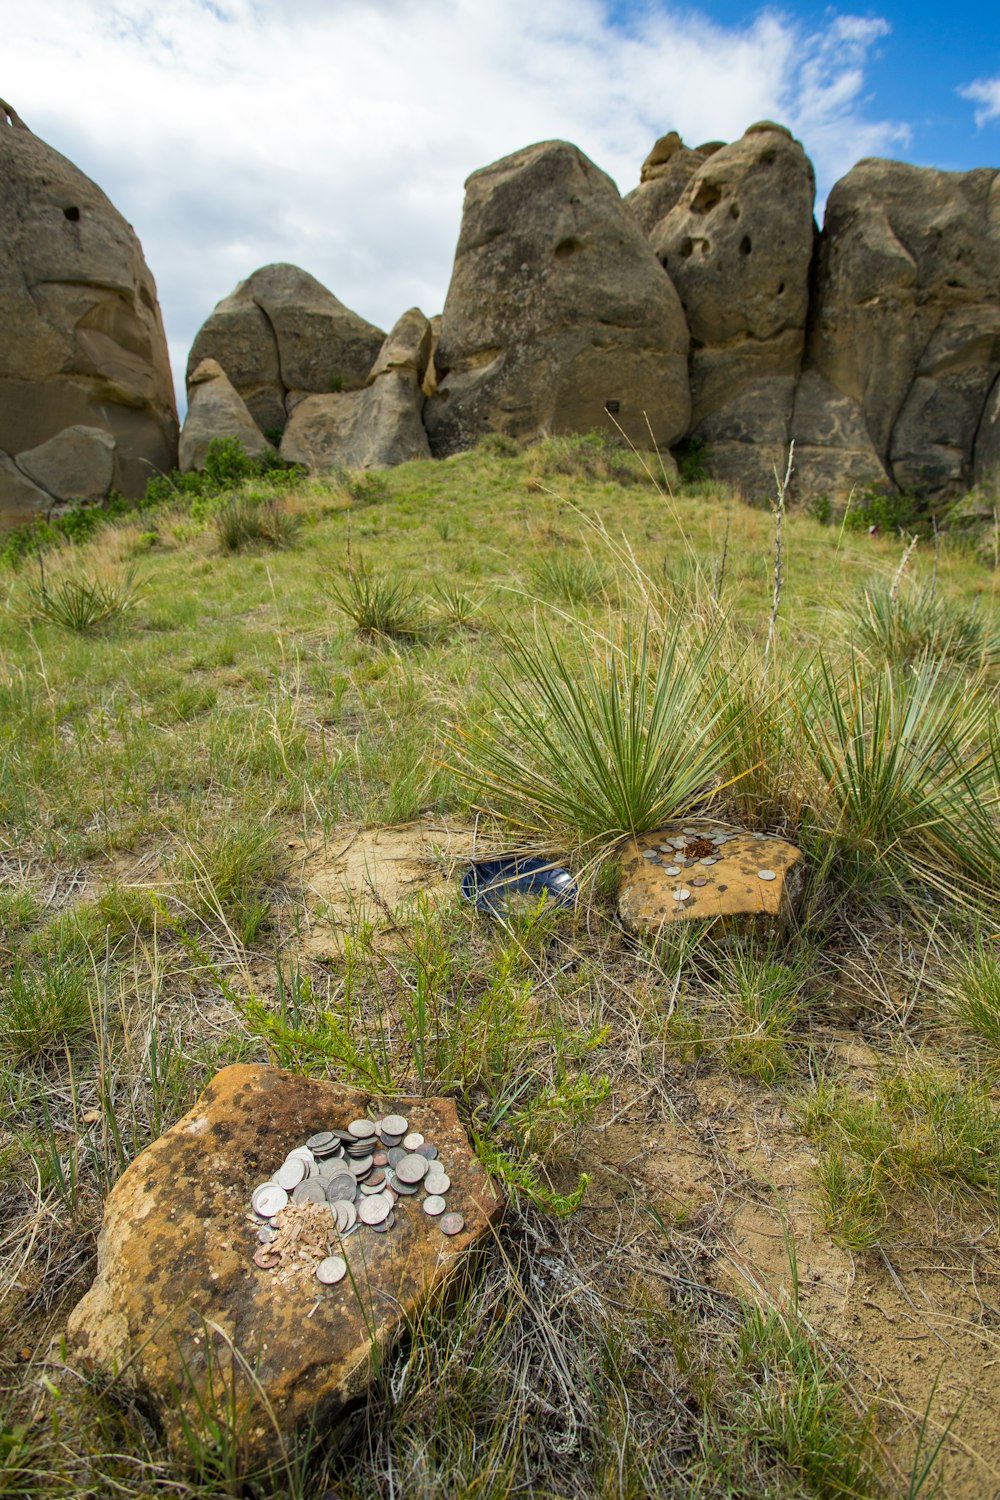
[{"x": 490, "y": 882}]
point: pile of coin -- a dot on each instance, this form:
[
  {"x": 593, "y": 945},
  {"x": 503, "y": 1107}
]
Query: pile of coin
[
  {"x": 694, "y": 847},
  {"x": 341, "y": 1180}
]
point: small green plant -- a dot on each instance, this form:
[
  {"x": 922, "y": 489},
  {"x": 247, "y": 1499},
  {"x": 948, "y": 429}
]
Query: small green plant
[
  {"x": 762, "y": 996},
  {"x": 379, "y": 604},
  {"x": 691, "y": 457},
  {"x": 456, "y": 606},
  {"x": 890, "y": 511},
  {"x": 498, "y": 445},
  {"x": 900, "y": 625},
  {"x": 570, "y": 580},
  {"x": 362, "y": 487},
  {"x": 254, "y": 518},
  {"x": 598, "y": 455},
  {"x": 43, "y": 1008},
  {"x": 225, "y": 872},
  {"x": 83, "y": 603},
  {"x": 820, "y": 508},
  {"x": 974, "y": 991}
]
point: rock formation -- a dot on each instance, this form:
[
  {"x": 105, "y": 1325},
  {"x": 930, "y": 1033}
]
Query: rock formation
[
  {"x": 557, "y": 312},
  {"x": 86, "y": 395},
  {"x": 216, "y": 409},
  {"x": 906, "y": 314},
  {"x": 183, "y": 1313},
  {"x": 373, "y": 428},
  {"x": 737, "y": 245},
  {"x": 281, "y": 336}
]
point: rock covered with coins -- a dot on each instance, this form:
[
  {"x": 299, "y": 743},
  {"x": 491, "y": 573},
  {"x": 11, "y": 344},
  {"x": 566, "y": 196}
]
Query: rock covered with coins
[
  {"x": 340, "y": 1181},
  {"x": 261, "y": 1252}
]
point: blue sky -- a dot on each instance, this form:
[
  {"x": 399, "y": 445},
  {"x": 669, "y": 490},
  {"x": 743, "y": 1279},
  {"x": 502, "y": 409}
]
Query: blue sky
[{"x": 337, "y": 133}]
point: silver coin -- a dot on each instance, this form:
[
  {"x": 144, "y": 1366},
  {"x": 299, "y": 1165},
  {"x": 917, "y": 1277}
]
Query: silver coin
[
  {"x": 406, "y": 1188},
  {"x": 362, "y": 1130},
  {"x": 265, "y": 1235},
  {"x": 411, "y": 1169},
  {"x": 395, "y": 1124},
  {"x": 385, "y": 1225},
  {"x": 290, "y": 1173},
  {"x": 395, "y": 1155},
  {"x": 649, "y": 853},
  {"x": 434, "y": 1205},
  {"x": 699, "y": 880},
  {"x": 437, "y": 1182},
  {"x": 359, "y": 1166},
  {"x": 452, "y": 1224},
  {"x": 331, "y": 1270},
  {"x": 303, "y": 1153},
  {"x": 375, "y": 1209},
  {"x": 671, "y": 869},
  {"x": 341, "y": 1189},
  {"x": 709, "y": 860},
  {"x": 766, "y": 875},
  {"x": 323, "y": 1139},
  {"x": 412, "y": 1141},
  {"x": 428, "y": 1151},
  {"x": 312, "y": 1191},
  {"x": 681, "y": 894},
  {"x": 268, "y": 1200}
]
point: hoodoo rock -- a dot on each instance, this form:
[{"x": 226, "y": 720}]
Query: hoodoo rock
[
  {"x": 83, "y": 349},
  {"x": 213, "y": 1317},
  {"x": 737, "y": 246},
  {"x": 906, "y": 320},
  {"x": 281, "y": 336},
  {"x": 373, "y": 428},
  {"x": 558, "y": 312},
  {"x": 665, "y": 174},
  {"x": 216, "y": 410}
]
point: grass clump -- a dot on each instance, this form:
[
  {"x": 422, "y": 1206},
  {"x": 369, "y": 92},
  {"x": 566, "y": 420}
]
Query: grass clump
[
  {"x": 599, "y": 456},
  {"x": 45, "y": 1008},
  {"x": 974, "y": 992},
  {"x": 379, "y": 604},
  {"x": 224, "y": 874},
  {"x": 610, "y": 740},
  {"x": 570, "y": 580},
  {"x": 83, "y": 602},
  {"x": 904, "y": 626},
  {"x": 250, "y": 517}
]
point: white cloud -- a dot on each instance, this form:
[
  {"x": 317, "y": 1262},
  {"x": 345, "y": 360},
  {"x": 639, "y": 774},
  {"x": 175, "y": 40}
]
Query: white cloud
[
  {"x": 338, "y": 136},
  {"x": 985, "y": 91}
]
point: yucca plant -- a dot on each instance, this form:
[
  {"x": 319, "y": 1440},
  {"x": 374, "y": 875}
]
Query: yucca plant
[
  {"x": 81, "y": 602},
  {"x": 570, "y": 580},
  {"x": 379, "y": 604},
  {"x": 253, "y": 518},
  {"x": 901, "y": 625},
  {"x": 616, "y": 745},
  {"x": 907, "y": 774}
]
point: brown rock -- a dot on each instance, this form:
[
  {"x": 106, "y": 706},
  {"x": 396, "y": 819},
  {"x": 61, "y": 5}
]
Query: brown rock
[
  {"x": 215, "y": 410},
  {"x": 986, "y": 459},
  {"x": 20, "y": 500},
  {"x": 834, "y": 453},
  {"x": 733, "y": 892},
  {"x": 182, "y": 1312},
  {"x": 83, "y": 342},
  {"x": 279, "y": 336},
  {"x": 907, "y": 312},
  {"x": 77, "y": 464},
  {"x": 665, "y": 174},
  {"x": 556, "y": 308},
  {"x": 375, "y": 428},
  {"x": 407, "y": 347},
  {"x": 738, "y": 246}
]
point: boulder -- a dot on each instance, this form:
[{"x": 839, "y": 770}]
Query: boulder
[
  {"x": 77, "y": 464},
  {"x": 906, "y": 316},
  {"x": 20, "y": 500},
  {"x": 834, "y": 453},
  {"x": 215, "y": 410},
  {"x": 557, "y": 312},
  {"x": 377, "y": 427},
  {"x": 986, "y": 458},
  {"x": 665, "y": 174},
  {"x": 280, "y": 336},
  {"x": 737, "y": 246},
  {"x": 202, "y": 1332},
  {"x": 83, "y": 342},
  {"x": 706, "y": 872}
]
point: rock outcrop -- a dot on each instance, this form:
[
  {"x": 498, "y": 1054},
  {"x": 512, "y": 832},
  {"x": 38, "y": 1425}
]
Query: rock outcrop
[
  {"x": 377, "y": 427},
  {"x": 83, "y": 357},
  {"x": 216, "y": 410},
  {"x": 737, "y": 245},
  {"x": 184, "y": 1314},
  {"x": 557, "y": 312},
  {"x": 906, "y": 314},
  {"x": 281, "y": 336}
]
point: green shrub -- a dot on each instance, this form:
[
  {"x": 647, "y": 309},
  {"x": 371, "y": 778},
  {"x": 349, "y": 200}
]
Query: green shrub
[
  {"x": 254, "y": 518},
  {"x": 498, "y": 445},
  {"x": 379, "y": 604},
  {"x": 83, "y": 603},
  {"x": 691, "y": 458},
  {"x": 889, "y": 510}
]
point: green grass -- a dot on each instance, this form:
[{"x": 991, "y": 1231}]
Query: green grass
[{"x": 550, "y": 650}]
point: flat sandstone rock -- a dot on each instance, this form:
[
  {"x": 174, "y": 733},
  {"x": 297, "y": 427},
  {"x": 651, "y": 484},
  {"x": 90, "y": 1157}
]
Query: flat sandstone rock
[
  {"x": 684, "y": 871},
  {"x": 180, "y": 1310}
]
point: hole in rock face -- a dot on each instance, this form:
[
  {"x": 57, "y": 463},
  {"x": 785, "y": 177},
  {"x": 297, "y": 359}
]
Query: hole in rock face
[
  {"x": 745, "y": 245},
  {"x": 663, "y": 261},
  {"x": 566, "y": 248},
  {"x": 768, "y": 158},
  {"x": 781, "y": 288},
  {"x": 734, "y": 210},
  {"x": 72, "y": 214},
  {"x": 707, "y": 196},
  {"x": 687, "y": 245}
]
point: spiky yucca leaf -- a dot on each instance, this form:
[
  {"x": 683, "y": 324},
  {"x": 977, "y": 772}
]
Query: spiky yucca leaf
[{"x": 613, "y": 746}]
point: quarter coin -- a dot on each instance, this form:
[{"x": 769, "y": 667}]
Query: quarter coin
[
  {"x": 341, "y": 1188},
  {"x": 373, "y": 1210},
  {"x": 361, "y": 1130},
  {"x": 437, "y": 1182},
  {"x": 290, "y": 1173},
  {"x": 312, "y": 1191},
  {"x": 412, "y": 1169},
  {"x": 671, "y": 869},
  {"x": 452, "y": 1224},
  {"x": 413, "y": 1140},
  {"x": 766, "y": 875},
  {"x": 434, "y": 1205},
  {"x": 331, "y": 1270},
  {"x": 268, "y": 1200},
  {"x": 395, "y": 1125},
  {"x": 321, "y": 1141},
  {"x": 681, "y": 894}
]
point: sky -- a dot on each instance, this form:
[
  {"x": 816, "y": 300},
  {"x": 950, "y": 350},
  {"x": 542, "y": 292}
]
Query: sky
[{"x": 337, "y": 134}]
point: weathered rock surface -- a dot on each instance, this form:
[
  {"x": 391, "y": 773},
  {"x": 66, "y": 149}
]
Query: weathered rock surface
[
  {"x": 180, "y": 1308},
  {"x": 665, "y": 174},
  {"x": 20, "y": 500},
  {"x": 730, "y": 890},
  {"x": 556, "y": 308},
  {"x": 216, "y": 410},
  {"x": 77, "y": 464},
  {"x": 906, "y": 318},
  {"x": 280, "y": 336},
  {"x": 83, "y": 342},
  {"x": 377, "y": 427},
  {"x": 986, "y": 458},
  {"x": 834, "y": 453},
  {"x": 738, "y": 246}
]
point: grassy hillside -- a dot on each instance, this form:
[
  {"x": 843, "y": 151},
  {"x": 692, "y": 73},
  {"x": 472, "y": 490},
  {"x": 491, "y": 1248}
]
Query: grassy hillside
[{"x": 753, "y": 1239}]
